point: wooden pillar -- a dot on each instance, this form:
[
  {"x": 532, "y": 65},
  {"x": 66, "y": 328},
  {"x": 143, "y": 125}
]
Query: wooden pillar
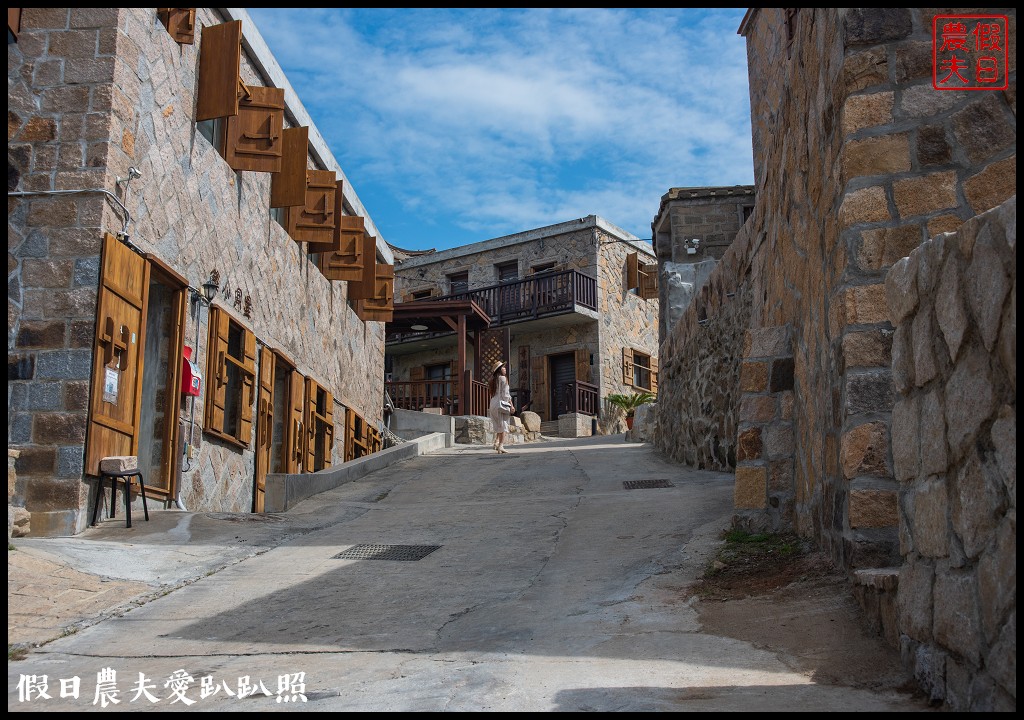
[{"x": 464, "y": 404}]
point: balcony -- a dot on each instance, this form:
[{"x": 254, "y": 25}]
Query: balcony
[{"x": 532, "y": 298}]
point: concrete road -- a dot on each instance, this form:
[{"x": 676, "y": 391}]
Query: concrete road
[{"x": 551, "y": 588}]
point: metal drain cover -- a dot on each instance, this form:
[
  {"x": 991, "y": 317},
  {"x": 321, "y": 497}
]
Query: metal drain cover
[
  {"x": 645, "y": 484},
  {"x": 387, "y": 552},
  {"x": 245, "y": 517}
]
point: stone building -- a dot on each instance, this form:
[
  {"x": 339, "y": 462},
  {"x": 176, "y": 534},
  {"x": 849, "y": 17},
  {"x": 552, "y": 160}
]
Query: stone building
[
  {"x": 571, "y": 309},
  {"x": 852, "y": 353},
  {"x": 156, "y": 160},
  {"x": 691, "y": 232}
]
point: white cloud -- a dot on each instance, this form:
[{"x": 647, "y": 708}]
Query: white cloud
[{"x": 481, "y": 118}]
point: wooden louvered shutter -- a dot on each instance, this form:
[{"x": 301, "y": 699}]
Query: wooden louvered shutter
[
  {"x": 380, "y": 307},
  {"x": 313, "y": 222},
  {"x": 180, "y": 23},
  {"x": 632, "y": 271},
  {"x": 654, "y": 375},
  {"x": 329, "y": 430},
  {"x": 216, "y": 371},
  {"x": 309, "y": 420},
  {"x": 248, "y": 398},
  {"x": 346, "y": 261},
  {"x": 582, "y": 365},
  {"x": 253, "y": 138},
  {"x": 539, "y": 398},
  {"x": 118, "y": 355},
  {"x": 288, "y": 187},
  {"x": 220, "y": 60},
  {"x": 627, "y": 366},
  {"x": 295, "y": 447}
]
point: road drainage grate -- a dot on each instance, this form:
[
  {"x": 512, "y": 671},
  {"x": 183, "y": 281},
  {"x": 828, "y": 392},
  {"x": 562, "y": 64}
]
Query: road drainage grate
[
  {"x": 645, "y": 484},
  {"x": 387, "y": 552}
]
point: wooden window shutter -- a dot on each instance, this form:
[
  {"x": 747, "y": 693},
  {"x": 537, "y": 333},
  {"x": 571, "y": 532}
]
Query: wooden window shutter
[
  {"x": 295, "y": 447},
  {"x": 116, "y": 396},
  {"x": 253, "y": 139},
  {"x": 649, "y": 281},
  {"x": 216, "y": 371},
  {"x": 180, "y": 23},
  {"x": 288, "y": 187},
  {"x": 582, "y": 365},
  {"x": 248, "y": 387},
  {"x": 14, "y": 22},
  {"x": 539, "y": 398},
  {"x": 345, "y": 261},
  {"x": 264, "y": 426},
  {"x": 364, "y": 287},
  {"x": 380, "y": 307},
  {"x": 349, "y": 435},
  {"x": 313, "y": 222},
  {"x": 627, "y": 366},
  {"x": 632, "y": 271},
  {"x": 329, "y": 430},
  {"x": 220, "y": 61},
  {"x": 324, "y": 242},
  {"x": 654, "y": 375},
  {"x": 309, "y": 420}
]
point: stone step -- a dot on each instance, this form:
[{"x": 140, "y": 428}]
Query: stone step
[{"x": 549, "y": 428}]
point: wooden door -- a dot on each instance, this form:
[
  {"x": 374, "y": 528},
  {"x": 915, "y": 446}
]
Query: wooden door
[
  {"x": 563, "y": 384},
  {"x": 264, "y": 426},
  {"x": 117, "y": 355}
]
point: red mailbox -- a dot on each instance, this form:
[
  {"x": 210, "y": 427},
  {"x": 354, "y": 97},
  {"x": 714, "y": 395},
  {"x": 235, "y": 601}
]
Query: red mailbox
[{"x": 191, "y": 380}]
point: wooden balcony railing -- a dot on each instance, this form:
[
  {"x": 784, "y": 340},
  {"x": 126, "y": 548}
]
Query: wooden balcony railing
[
  {"x": 443, "y": 394},
  {"x": 585, "y": 398},
  {"x": 530, "y": 298}
]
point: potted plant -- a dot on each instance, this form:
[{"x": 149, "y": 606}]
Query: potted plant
[{"x": 630, "y": 402}]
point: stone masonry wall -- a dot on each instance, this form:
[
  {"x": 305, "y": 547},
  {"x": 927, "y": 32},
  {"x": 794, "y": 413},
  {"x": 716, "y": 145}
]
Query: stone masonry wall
[
  {"x": 188, "y": 208},
  {"x": 953, "y": 302},
  {"x": 627, "y": 320},
  {"x": 699, "y": 390}
]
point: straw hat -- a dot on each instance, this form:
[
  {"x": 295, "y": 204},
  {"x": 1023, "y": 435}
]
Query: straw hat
[{"x": 497, "y": 365}]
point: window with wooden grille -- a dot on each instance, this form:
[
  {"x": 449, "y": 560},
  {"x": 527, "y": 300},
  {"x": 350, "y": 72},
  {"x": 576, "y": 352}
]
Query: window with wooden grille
[
  {"x": 507, "y": 271},
  {"x": 421, "y": 294},
  {"x": 639, "y": 370},
  {"x": 361, "y": 438},
  {"x": 319, "y": 426},
  {"x": 231, "y": 380}
]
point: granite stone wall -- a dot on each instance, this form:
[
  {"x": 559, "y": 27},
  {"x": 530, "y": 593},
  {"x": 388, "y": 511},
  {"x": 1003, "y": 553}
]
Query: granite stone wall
[
  {"x": 954, "y": 427},
  {"x": 93, "y": 92}
]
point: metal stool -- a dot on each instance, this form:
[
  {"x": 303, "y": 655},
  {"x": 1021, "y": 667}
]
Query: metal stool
[{"x": 119, "y": 468}]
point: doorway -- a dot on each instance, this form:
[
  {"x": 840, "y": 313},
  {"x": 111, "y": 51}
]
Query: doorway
[
  {"x": 563, "y": 380},
  {"x": 159, "y": 430}
]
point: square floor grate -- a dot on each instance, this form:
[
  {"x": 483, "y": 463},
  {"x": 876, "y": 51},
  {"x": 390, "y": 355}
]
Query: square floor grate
[
  {"x": 387, "y": 552},
  {"x": 644, "y": 484}
]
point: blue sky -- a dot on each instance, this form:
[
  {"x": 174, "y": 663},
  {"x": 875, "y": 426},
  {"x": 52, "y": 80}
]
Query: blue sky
[{"x": 461, "y": 125}]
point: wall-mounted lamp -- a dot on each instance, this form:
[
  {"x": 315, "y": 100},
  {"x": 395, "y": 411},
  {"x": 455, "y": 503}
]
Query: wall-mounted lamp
[
  {"x": 210, "y": 288},
  {"x": 691, "y": 246}
]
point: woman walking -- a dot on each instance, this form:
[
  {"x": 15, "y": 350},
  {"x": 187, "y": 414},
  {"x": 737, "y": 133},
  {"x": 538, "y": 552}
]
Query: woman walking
[{"x": 501, "y": 408}]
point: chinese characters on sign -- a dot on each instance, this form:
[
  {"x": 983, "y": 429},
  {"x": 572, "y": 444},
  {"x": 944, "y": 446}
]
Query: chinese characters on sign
[
  {"x": 291, "y": 687},
  {"x": 970, "y": 52}
]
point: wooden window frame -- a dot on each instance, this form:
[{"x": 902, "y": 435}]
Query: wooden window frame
[
  {"x": 248, "y": 381},
  {"x": 630, "y": 365},
  {"x": 312, "y": 415}
]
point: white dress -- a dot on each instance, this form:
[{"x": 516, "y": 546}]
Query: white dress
[{"x": 500, "y": 418}]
